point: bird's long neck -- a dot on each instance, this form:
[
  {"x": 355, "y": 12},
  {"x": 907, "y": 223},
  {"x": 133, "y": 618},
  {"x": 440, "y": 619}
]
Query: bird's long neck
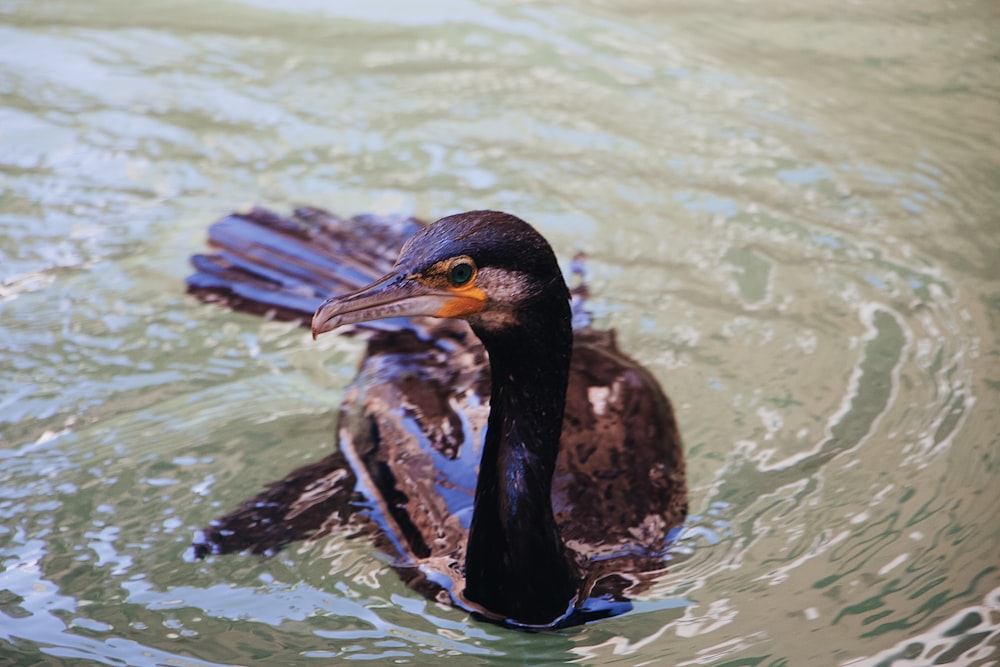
[{"x": 515, "y": 562}]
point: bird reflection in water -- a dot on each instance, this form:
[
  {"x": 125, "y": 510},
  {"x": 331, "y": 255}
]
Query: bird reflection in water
[{"x": 507, "y": 455}]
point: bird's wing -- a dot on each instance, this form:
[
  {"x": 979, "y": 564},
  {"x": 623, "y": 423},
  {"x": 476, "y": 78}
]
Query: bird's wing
[{"x": 619, "y": 483}]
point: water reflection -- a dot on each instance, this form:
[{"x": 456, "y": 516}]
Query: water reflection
[{"x": 969, "y": 636}]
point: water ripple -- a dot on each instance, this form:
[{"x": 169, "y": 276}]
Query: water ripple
[{"x": 788, "y": 213}]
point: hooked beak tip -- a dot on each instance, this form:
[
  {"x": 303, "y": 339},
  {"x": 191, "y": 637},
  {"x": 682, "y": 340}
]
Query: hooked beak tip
[{"x": 321, "y": 319}]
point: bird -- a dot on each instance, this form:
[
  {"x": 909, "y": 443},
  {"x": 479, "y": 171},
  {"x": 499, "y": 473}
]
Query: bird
[{"x": 512, "y": 460}]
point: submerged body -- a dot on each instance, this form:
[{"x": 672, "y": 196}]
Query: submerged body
[{"x": 580, "y": 467}]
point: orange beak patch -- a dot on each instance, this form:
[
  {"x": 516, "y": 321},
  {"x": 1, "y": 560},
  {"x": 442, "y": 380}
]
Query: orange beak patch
[{"x": 467, "y": 300}]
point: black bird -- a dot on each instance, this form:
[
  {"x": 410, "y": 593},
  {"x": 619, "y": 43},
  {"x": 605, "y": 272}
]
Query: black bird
[{"x": 580, "y": 464}]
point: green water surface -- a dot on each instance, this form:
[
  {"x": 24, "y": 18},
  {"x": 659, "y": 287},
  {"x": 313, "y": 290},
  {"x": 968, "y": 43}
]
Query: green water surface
[{"x": 791, "y": 214}]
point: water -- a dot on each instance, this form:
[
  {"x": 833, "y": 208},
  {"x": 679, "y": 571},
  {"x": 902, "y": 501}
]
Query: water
[{"x": 791, "y": 214}]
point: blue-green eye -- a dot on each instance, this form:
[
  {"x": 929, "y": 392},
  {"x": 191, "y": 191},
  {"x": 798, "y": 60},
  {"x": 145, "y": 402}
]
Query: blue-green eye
[{"x": 461, "y": 274}]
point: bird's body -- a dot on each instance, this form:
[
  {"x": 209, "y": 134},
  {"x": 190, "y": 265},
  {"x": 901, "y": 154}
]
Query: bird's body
[{"x": 573, "y": 446}]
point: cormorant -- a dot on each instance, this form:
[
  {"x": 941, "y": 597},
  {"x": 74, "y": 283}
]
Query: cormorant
[{"x": 580, "y": 464}]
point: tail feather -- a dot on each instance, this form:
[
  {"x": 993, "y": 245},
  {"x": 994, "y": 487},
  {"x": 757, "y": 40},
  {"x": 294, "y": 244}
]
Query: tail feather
[{"x": 285, "y": 267}]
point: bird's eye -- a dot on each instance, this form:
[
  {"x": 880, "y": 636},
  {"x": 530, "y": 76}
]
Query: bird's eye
[{"x": 461, "y": 273}]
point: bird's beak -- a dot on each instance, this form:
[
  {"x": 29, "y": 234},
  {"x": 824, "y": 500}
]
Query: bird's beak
[{"x": 395, "y": 295}]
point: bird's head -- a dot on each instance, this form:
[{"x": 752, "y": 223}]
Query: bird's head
[{"x": 486, "y": 267}]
